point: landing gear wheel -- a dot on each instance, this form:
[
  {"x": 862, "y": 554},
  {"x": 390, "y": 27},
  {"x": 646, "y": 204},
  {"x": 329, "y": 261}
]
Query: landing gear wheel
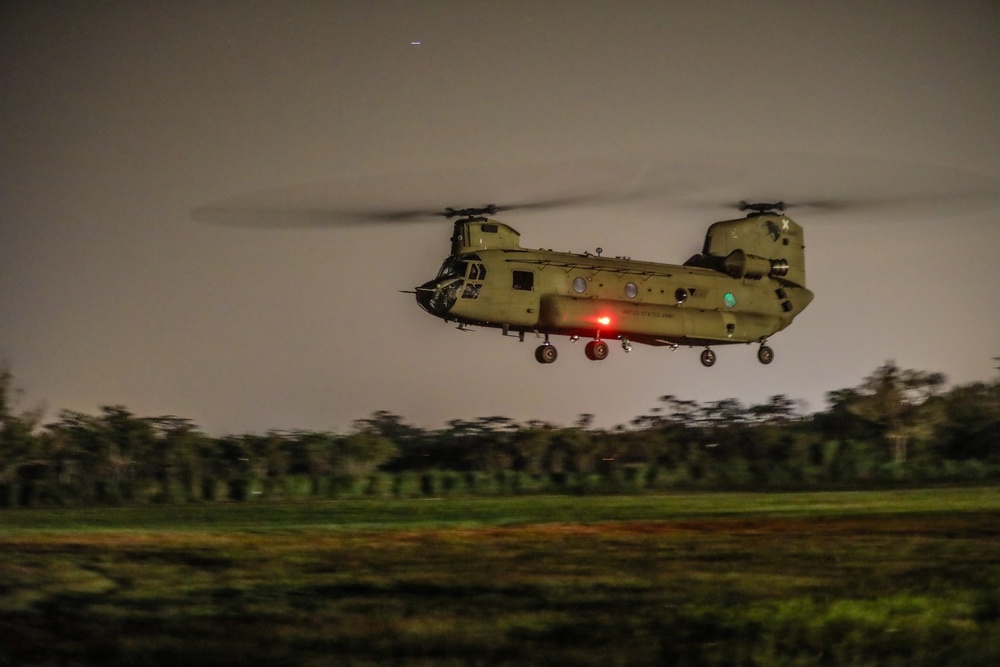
[
  {"x": 707, "y": 357},
  {"x": 546, "y": 354},
  {"x": 596, "y": 350},
  {"x": 765, "y": 354}
]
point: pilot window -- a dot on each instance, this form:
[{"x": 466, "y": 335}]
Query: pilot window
[
  {"x": 477, "y": 271},
  {"x": 524, "y": 280},
  {"x": 452, "y": 268}
]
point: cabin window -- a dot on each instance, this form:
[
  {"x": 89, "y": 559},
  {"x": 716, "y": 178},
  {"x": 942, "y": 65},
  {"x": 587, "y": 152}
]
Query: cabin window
[
  {"x": 681, "y": 295},
  {"x": 524, "y": 280},
  {"x": 579, "y": 285},
  {"x": 631, "y": 290},
  {"x": 471, "y": 291},
  {"x": 489, "y": 228}
]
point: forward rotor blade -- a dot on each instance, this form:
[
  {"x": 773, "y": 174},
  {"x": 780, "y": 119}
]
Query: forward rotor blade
[
  {"x": 422, "y": 195},
  {"x": 264, "y": 218}
]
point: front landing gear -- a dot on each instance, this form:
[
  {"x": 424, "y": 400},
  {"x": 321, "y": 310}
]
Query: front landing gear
[
  {"x": 765, "y": 354},
  {"x": 707, "y": 357},
  {"x": 546, "y": 353}
]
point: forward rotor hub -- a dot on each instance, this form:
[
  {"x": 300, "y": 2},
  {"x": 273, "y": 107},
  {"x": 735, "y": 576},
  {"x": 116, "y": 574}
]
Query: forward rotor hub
[{"x": 490, "y": 209}]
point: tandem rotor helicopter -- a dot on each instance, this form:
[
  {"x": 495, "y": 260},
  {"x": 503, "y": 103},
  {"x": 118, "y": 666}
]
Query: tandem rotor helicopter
[{"x": 747, "y": 284}]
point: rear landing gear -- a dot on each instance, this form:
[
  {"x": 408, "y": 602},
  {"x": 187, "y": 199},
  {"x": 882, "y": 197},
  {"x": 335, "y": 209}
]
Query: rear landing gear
[
  {"x": 707, "y": 357},
  {"x": 765, "y": 354}
]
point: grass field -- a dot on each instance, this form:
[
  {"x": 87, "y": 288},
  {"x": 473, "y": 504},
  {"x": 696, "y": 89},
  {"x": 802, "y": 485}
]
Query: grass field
[{"x": 850, "y": 578}]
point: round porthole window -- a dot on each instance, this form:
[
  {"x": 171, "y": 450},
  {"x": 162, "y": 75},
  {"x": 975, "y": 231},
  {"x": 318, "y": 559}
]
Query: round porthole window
[
  {"x": 729, "y": 300},
  {"x": 579, "y": 285},
  {"x": 631, "y": 290},
  {"x": 681, "y": 295}
]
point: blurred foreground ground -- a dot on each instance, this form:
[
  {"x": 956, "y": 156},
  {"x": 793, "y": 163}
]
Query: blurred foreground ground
[{"x": 864, "y": 578}]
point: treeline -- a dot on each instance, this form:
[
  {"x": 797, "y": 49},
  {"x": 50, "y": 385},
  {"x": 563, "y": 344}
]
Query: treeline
[{"x": 897, "y": 427}]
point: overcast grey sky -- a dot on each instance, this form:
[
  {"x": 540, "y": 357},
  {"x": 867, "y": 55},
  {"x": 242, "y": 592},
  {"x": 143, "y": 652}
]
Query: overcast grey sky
[{"x": 119, "y": 119}]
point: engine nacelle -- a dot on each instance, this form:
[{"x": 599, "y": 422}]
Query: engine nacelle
[
  {"x": 750, "y": 248},
  {"x": 741, "y": 265}
]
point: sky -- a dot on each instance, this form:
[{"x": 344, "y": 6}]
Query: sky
[{"x": 119, "y": 121}]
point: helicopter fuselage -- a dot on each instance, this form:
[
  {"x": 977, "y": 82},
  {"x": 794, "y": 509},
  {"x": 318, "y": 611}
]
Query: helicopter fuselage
[{"x": 746, "y": 285}]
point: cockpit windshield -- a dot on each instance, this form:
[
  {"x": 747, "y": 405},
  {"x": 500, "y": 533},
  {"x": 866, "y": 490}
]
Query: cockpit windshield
[{"x": 455, "y": 267}]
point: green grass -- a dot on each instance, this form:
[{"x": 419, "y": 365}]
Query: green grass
[
  {"x": 494, "y": 511},
  {"x": 858, "y": 578}
]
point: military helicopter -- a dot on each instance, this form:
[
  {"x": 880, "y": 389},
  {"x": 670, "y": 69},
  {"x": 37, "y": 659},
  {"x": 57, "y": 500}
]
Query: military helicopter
[{"x": 747, "y": 284}]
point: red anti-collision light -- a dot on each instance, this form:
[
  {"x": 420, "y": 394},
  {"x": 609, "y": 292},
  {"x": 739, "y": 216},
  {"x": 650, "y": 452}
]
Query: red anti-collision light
[{"x": 604, "y": 320}]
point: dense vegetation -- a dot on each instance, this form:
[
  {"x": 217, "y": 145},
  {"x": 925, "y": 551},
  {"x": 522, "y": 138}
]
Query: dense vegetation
[{"x": 897, "y": 427}]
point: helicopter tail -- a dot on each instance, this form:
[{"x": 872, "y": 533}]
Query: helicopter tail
[{"x": 760, "y": 245}]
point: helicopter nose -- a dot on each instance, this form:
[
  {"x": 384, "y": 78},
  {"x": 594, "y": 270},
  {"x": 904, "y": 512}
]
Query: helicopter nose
[{"x": 438, "y": 296}]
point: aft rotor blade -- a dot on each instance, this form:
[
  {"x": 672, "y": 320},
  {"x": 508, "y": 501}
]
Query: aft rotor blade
[{"x": 931, "y": 202}]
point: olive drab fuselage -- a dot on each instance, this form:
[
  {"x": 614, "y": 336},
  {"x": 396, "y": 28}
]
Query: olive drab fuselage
[{"x": 747, "y": 284}]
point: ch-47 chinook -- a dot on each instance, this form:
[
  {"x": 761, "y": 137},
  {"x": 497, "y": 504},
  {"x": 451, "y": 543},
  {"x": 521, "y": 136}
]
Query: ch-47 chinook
[{"x": 747, "y": 284}]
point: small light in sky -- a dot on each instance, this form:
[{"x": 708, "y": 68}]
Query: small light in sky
[{"x": 415, "y": 42}]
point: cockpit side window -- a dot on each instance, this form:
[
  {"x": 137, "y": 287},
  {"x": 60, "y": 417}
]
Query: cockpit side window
[
  {"x": 475, "y": 278},
  {"x": 477, "y": 271}
]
